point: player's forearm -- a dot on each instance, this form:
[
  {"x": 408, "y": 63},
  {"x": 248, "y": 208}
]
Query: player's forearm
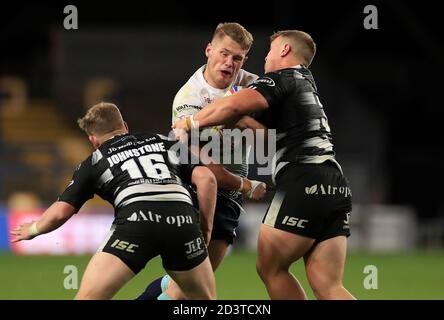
[
  {"x": 206, "y": 186},
  {"x": 55, "y": 216},
  {"x": 206, "y": 208},
  {"x": 232, "y": 108},
  {"x": 247, "y": 122},
  {"x": 221, "y": 111},
  {"x": 206, "y": 196},
  {"x": 225, "y": 179}
]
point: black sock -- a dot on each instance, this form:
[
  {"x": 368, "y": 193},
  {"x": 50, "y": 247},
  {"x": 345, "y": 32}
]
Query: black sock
[{"x": 152, "y": 291}]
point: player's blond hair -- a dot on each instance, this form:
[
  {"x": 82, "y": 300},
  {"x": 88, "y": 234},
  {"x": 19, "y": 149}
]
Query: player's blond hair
[
  {"x": 303, "y": 45},
  {"x": 236, "y": 32},
  {"x": 101, "y": 118}
]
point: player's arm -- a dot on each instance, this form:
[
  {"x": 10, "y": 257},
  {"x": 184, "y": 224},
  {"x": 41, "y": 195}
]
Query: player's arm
[
  {"x": 206, "y": 187},
  {"x": 55, "y": 216},
  {"x": 226, "y": 180},
  {"x": 247, "y": 122},
  {"x": 78, "y": 191},
  {"x": 225, "y": 110}
]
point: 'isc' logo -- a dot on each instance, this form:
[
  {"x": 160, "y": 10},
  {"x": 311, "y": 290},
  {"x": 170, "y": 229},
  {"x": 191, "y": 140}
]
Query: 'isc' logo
[
  {"x": 292, "y": 221},
  {"x": 124, "y": 245}
]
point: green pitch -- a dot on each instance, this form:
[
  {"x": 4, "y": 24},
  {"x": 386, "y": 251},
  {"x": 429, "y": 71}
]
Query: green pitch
[{"x": 418, "y": 275}]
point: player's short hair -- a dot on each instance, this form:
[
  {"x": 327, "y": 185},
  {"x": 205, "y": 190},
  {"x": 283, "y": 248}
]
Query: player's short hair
[
  {"x": 101, "y": 118},
  {"x": 236, "y": 32},
  {"x": 303, "y": 45}
]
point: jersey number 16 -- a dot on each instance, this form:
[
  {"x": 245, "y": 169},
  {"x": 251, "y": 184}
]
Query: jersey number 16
[{"x": 153, "y": 166}]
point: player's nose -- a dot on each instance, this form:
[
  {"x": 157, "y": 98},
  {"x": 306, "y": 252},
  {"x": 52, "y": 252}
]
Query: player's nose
[{"x": 229, "y": 61}]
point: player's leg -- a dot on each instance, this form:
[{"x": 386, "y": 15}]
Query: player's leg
[
  {"x": 217, "y": 250},
  {"x": 277, "y": 250},
  {"x": 325, "y": 268},
  {"x": 324, "y": 264},
  {"x": 185, "y": 256},
  {"x": 197, "y": 283},
  {"x": 287, "y": 233},
  {"x": 226, "y": 220},
  {"x": 103, "y": 277},
  {"x": 154, "y": 289}
]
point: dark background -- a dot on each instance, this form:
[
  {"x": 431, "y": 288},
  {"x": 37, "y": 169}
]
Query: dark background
[{"x": 381, "y": 88}]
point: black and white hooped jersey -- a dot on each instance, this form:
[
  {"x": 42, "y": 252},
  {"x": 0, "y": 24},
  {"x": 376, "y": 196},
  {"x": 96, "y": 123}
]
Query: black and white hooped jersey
[
  {"x": 297, "y": 114},
  {"x": 130, "y": 168}
]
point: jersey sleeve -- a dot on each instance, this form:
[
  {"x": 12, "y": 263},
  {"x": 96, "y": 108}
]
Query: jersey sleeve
[
  {"x": 186, "y": 103},
  {"x": 271, "y": 86},
  {"x": 185, "y": 161},
  {"x": 81, "y": 188},
  {"x": 187, "y": 167}
]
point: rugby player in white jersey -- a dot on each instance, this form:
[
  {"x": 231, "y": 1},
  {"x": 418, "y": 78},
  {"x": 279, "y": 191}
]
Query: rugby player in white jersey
[{"x": 223, "y": 71}]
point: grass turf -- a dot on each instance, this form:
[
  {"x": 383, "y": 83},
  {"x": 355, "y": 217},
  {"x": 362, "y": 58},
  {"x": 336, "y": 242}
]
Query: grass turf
[{"x": 415, "y": 275}]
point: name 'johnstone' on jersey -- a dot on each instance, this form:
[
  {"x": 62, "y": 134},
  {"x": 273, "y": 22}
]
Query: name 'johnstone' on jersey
[
  {"x": 295, "y": 111},
  {"x": 130, "y": 168}
]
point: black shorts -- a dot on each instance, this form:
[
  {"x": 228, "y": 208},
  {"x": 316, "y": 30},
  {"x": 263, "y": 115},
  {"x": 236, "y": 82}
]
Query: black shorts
[
  {"x": 226, "y": 217},
  {"x": 144, "y": 230},
  {"x": 311, "y": 200},
  {"x": 226, "y": 220}
]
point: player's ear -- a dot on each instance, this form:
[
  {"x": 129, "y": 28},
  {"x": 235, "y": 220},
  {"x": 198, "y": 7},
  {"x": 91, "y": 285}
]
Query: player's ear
[
  {"x": 285, "y": 50},
  {"x": 126, "y": 126},
  {"x": 94, "y": 141},
  {"x": 208, "y": 49}
]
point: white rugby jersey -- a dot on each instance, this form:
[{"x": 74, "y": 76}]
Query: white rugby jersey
[{"x": 195, "y": 95}]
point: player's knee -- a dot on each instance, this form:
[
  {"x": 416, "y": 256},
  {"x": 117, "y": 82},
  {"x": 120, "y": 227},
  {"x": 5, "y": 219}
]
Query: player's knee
[
  {"x": 264, "y": 270},
  {"x": 202, "y": 289},
  {"x": 212, "y": 294},
  {"x": 85, "y": 297},
  {"x": 328, "y": 292},
  {"x": 94, "y": 291},
  {"x": 260, "y": 269},
  {"x": 322, "y": 285},
  {"x": 207, "y": 293},
  {"x": 267, "y": 269},
  {"x": 209, "y": 296},
  {"x": 90, "y": 295}
]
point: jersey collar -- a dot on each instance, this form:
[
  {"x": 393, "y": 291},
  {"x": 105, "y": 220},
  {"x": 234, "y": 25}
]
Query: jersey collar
[{"x": 298, "y": 66}]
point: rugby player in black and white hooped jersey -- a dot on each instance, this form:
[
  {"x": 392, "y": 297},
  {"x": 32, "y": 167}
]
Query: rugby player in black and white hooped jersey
[
  {"x": 141, "y": 176},
  {"x": 309, "y": 214},
  {"x": 226, "y": 54}
]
